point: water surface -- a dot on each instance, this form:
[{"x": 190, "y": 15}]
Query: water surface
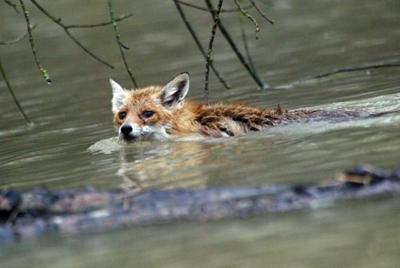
[{"x": 73, "y": 142}]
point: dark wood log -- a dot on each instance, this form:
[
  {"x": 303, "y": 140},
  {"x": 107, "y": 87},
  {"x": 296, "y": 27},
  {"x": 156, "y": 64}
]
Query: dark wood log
[{"x": 36, "y": 212}]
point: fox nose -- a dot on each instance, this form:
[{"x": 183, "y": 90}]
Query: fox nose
[{"x": 126, "y": 130}]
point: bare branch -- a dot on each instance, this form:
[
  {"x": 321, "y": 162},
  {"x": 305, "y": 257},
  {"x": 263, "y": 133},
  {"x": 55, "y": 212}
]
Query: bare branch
[
  {"x": 245, "y": 43},
  {"x": 342, "y": 70},
  {"x": 210, "y": 46},
  {"x": 198, "y": 43},
  {"x": 68, "y": 33},
  {"x": 226, "y": 10},
  {"x": 11, "y": 4},
  {"x": 17, "y": 39},
  {"x": 42, "y": 70},
  {"x": 232, "y": 44},
  {"x": 120, "y": 45},
  {"x": 247, "y": 50},
  {"x": 356, "y": 69},
  {"x": 8, "y": 84},
  {"x": 249, "y": 16},
  {"x": 100, "y": 24},
  {"x": 261, "y": 12}
]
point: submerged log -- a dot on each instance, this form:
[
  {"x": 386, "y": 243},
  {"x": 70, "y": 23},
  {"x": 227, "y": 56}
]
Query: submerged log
[{"x": 25, "y": 214}]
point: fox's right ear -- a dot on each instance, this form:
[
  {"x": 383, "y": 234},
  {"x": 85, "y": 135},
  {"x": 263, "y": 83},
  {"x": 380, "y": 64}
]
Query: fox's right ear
[
  {"x": 118, "y": 97},
  {"x": 173, "y": 94}
]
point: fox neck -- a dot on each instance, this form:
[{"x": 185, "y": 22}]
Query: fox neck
[{"x": 183, "y": 120}]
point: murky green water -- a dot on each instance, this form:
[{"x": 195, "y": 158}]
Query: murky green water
[{"x": 72, "y": 144}]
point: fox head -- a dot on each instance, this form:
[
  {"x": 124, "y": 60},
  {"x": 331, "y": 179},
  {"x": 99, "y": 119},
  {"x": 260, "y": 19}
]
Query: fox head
[{"x": 147, "y": 112}]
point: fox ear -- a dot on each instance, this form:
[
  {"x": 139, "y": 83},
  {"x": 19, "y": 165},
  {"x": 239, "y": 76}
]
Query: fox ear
[
  {"x": 174, "y": 93},
  {"x": 118, "y": 97}
]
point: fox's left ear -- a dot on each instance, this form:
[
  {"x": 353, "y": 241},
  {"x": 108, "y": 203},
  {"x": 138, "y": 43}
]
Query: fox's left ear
[
  {"x": 173, "y": 94},
  {"x": 118, "y": 97}
]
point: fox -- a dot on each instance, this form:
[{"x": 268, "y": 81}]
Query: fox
[{"x": 162, "y": 112}]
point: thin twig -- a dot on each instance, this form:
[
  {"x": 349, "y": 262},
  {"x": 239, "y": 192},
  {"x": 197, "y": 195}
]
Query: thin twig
[
  {"x": 11, "y": 4},
  {"x": 356, "y": 69},
  {"x": 18, "y": 38},
  {"x": 42, "y": 70},
  {"x": 210, "y": 46},
  {"x": 249, "y": 17},
  {"x": 245, "y": 44},
  {"x": 226, "y": 10},
  {"x": 232, "y": 44},
  {"x": 21, "y": 110},
  {"x": 261, "y": 12},
  {"x": 120, "y": 45},
  {"x": 198, "y": 43},
  {"x": 247, "y": 49},
  {"x": 100, "y": 24},
  {"x": 68, "y": 33},
  {"x": 342, "y": 70}
]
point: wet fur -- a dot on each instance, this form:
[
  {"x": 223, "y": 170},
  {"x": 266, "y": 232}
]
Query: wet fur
[{"x": 216, "y": 120}]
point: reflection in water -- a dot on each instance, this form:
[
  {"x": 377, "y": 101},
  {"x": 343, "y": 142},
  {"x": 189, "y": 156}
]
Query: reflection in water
[
  {"x": 161, "y": 164},
  {"x": 166, "y": 165}
]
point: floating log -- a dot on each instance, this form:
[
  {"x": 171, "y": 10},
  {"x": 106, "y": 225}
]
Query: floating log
[{"x": 40, "y": 211}]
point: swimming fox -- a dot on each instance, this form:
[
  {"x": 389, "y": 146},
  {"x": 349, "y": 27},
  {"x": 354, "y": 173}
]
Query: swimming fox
[{"x": 157, "y": 112}]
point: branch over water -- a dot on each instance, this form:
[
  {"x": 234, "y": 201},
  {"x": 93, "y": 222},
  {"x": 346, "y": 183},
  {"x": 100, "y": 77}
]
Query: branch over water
[
  {"x": 210, "y": 46},
  {"x": 356, "y": 69},
  {"x": 100, "y": 24},
  {"x": 121, "y": 46},
  {"x": 17, "y": 39},
  {"x": 249, "y": 17},
  {"x": 42, "y": 70},
  {"x": 245, "y": 43},
  {"x": 261, "y": 12},
  {"x": 11, "y": 4},
  {"x": 198, "y": 43},
  {"x": 14, "y": 97},
  {"x": 223, "y": 10},
  {"x": 231, "y": 42},
  {"x": 69, "y": 34}
]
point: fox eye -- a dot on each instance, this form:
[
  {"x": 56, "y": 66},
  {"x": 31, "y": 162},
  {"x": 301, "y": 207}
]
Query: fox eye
[
  {"x": 121, "y": 115},
  {"x": 147, "y": 114}
]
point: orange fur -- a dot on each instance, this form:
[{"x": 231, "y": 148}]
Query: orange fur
[{"x": 172, "y": 116}]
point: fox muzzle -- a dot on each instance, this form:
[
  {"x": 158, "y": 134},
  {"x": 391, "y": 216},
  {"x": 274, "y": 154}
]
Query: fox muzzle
[{"x": 130, "y": 132}]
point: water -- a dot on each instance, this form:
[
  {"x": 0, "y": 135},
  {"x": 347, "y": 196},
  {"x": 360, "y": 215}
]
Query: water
[{"x": 73, "y": 142}]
